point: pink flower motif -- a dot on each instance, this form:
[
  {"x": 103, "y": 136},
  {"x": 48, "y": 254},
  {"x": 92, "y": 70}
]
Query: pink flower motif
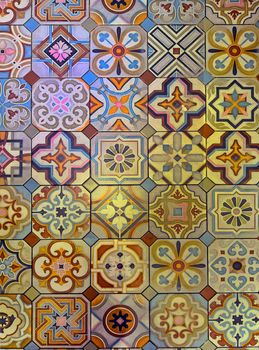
[
  {"x": 60, "y": 1},
  {"x": 5, "y": 51},
  {"x": 61, "y": 104},
  {"x": 61, "y": 266},
  {"x": 3, "y": 4},
  {"x": 60, "y": 51}
]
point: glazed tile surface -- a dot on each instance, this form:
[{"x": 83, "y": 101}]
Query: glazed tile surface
[{"x": 129, "y": 198}]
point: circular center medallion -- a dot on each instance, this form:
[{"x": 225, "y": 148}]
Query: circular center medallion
[
  {"x": 118, "y": 6},
  {"x": 118, "y": 50},
  {"x": 234, "y": 50},
  {"x": 178, "y": 265},
  {"x": 120, "y": 321},
  {"x": 237, "y": 265}
]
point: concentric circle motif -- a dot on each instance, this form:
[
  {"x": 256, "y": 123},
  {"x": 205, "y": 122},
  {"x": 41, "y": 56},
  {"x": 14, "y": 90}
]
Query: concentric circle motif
[
  {"x": 118, "y": 6},
  {"x": 120, "y": 321}
]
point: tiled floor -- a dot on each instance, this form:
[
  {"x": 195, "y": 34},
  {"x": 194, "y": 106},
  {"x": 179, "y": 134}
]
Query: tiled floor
[{"x": 129, "y": 207}]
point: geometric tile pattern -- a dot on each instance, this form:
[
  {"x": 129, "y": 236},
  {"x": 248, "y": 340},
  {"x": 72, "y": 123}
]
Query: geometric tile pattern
[{"x": 129, "y": 198}]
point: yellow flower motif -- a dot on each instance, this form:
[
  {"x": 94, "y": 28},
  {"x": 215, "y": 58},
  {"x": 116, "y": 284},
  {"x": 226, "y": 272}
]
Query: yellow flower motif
[
  {"x": 233, "y": 51},
  {"x": 120, "y": 212}
]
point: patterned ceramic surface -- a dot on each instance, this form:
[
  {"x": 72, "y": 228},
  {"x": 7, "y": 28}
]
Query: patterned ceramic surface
[{"x": 129, "y": 202}]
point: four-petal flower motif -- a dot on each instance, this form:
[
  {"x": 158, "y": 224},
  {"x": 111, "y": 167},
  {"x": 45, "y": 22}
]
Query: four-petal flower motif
[
  {"x": 233, "y": 51},
  {"x": 119, "y": 52},
  {"x": 178, "y": 266}
]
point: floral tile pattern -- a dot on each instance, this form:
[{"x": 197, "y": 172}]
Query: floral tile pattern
[
  {"x": 60, "y": 104},
  {"x": 178, "y": 320},
  {"x": 177, "y": 211},
  {"x": 232, "y": 104},
  {"x": 15, "y": 51},
  {"x": 118, "y": 104},
  {"x": 15, "y": 104},
  {"x": 179, "y": 265},
  {"x": 60, "y": 51},
  {"x": 232, "y": 51},
  {"x": 15, "y": 12},
  {"x": 129, "y": 197},
  {"x": 234, "y": 310},
  {"x": 176, "y": 12},
  {"x": 60, "y": 212},
  {"x": 118, "y": 52},
  {"x": 177, "y": 158},
  {"x": 119, "y": 212},
  {"x": 118, "y": 12},
  {"x": 119, "y": 158}
]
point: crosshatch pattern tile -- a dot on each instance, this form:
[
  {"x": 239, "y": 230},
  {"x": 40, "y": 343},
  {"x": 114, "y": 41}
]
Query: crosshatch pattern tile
[{"x": 129, "y": 198}]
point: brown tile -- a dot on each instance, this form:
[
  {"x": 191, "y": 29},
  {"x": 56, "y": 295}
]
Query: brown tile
[
  {"x": 208, "y": 293},
  {"x": 90, "y": 293},
  {"x": 31, "y": 78},
  {"x": 147, "y": 77},
  {"x": 206, "y": 131},
  {"x": 149, "y": 238},
  {"x": 31, "y": 239}
]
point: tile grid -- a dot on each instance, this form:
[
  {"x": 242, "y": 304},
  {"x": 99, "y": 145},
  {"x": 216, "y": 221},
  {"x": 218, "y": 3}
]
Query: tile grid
[{"x": 129, "y": 174}]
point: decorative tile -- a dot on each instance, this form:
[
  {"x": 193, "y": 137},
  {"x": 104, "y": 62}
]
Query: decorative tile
[
  {"x": 234, "y": 265},
  {"x": 15, "y": 212},
  {"x": 118, "y": 52},
  {"x": 178, "y": 266},
  {"x": 15, "y": 266},
  {"x": 119, "y": 266},
  {"x": 177, "y": 211},
  {"x": 233, "y": 320},
  {"x": 233, "y": 211},
  {"x": 61, "y": 212},
  {"x": 15, "y": 12},
  {"x": 118, "y": 11},
  {"x": 176, "y": 12},
  {"x": 119, "y": 212},
  {"x": 119, "y": 158},
  {"x": 178, "y": 320},
  {"x": 176, "y": 51},
  {"x": 61, "y": 266},
  {"x": 177, "y": 158},
  {"x": 118, "y": 104},
  {"x": 129, "y": 206},
  {"x": 60, "y": 51},
  {"x": 232, "y": 157},
  {"x": 60, "y": 158},
  {"x": 60, "y": 11},
  {"x": 176, "y": 104},
  {"x": 232, "y": 11},
  {"x": 16, "y": 321},
  {"x": 61, "y": 321},
  {"x": 232, "y": 104},
  {"x": 120, "y": 321},
  {"x": 15, "y": 158},
  {"x": 60, "y": 104},
  {"x": 15, "y": 104},
  {"x": 232, "y": 51},
  {"x": 15, "y": 51}
]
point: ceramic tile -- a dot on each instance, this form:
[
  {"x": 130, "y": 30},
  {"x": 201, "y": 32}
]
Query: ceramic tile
[{"x": 129, "y": 198}]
